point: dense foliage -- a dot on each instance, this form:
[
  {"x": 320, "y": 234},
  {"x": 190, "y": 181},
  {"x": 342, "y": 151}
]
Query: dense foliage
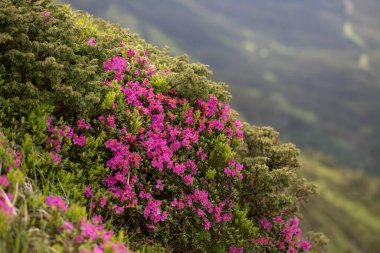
[
  {"x": 102, "y": 128},
  {"x": 32, "y": 222}
]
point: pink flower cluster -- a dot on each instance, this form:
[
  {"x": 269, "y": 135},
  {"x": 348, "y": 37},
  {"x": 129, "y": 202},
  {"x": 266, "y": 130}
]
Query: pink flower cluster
[
  {"x": 170, "y": 148},
  {"x": 93, "y": 235},
  {"x": 93, "y": 232},
  {"x": 234, "y": 169},
  {"x": 46, "y": 15},
  {"x": 91, "y": 42},
  {"x": 284, "y": 235},
  {"x": 164, "y": 145},
  {"x": 200, "y": 204},
  {"x": 81, "y": 124},
  {"x": 56, "y": 202},
  {"x": 234, "y": 249},
  {"x": 62, "y": 133}
]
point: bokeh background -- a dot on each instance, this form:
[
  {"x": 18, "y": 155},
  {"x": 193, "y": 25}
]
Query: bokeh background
[{"x": 308, "y": 68}]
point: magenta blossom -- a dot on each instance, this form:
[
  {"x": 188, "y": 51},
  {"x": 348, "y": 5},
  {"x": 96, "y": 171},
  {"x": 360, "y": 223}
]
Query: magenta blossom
[
  {"x": 88, "y": 192},
  {"x": 68, "y": 226},
  {"x": 46, "y": 15},
  {"x": 56, "y": 158},
  {"x": 234, "y": 249},
  {"x": 91, "y": 41},
  {"x": 57, "y": 202},
  {"x": 79, "y": 140},
  {"x": 81, "y": 124}
]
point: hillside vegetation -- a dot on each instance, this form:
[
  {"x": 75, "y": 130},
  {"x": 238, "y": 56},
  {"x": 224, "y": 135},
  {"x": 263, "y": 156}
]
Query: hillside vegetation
[
  {"x": 308, "y": 68},
  {"x": 108, "y": 144},
  {"x": 347, "y": 207}
]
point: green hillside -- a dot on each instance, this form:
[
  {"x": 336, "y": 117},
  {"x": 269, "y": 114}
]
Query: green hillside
[{"x": 347, "y": 207}]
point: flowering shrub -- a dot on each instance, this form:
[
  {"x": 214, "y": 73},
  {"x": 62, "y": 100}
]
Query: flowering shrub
[
  {"x": 282, "y": 236},
  {"x": 168, "y": 157}
]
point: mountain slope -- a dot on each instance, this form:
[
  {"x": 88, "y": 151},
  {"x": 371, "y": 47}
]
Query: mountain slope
[{"x": 347, "y": 208}]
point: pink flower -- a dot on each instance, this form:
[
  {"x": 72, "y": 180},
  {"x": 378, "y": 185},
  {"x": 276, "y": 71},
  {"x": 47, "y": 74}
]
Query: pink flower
[
  {"x": 305, "y": 245},
  {"x": 201, "y": 154},
  {"x": 56, "y": 158},
  {"x": 206, "y": 224},
  {"x": 97, "y": 249},
  {"x": 189, "y": 116},
  {"x": 211, "y": 106},
  {"x": 179, "y": 168},
  {"x": 227, "y": 217},
  {"x": 188, "y": 179},
  {"x": 265, "y": 223},
  {"x": 174, "y": 203},
  {"x": 103, "y": 201},
  {"x": 153, "y": 212},
  {"x": 234, "y": 249},
  {"x": 101, "y": 118},
  {"x": 216, "y": 124},
  {"x": 18, "y": 158},
  {"x": 293, "y": 222},
  {"x": 88, "y": 230},
  {"x": 97, "y": 219},
  {"x": 152, "y": 227},
  {"x": 4, "y": 181},
  {"x": 111, "y": 121},
  {"x": 200, "y": 213},
  {"x": 180, "y": 205},
  {"x": 55, "y": 201},
  {"x": 46, "y": 15},
  {"x": 88, "y": 191},
  {"x": 159, "y": 185},
  {"x": 79, "y": 239},
  {"x": 228, "y": 172},
  {"x": 263, "y": 241},
  {"x": 68, "y": 226},
  {"x": 280, "y": 245},
  {"x": 91, "y": 41},
  {"x": 81, "y": 124},
  {"x": 278, "y": 219},
  {"x": 79, "y": 140},
  {"x": 5, "y": 205},
  {"x": 119, "y": 209}
]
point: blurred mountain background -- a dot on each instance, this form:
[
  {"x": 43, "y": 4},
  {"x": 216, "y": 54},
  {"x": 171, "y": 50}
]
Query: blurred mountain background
[{"x": 308, "y": 68}]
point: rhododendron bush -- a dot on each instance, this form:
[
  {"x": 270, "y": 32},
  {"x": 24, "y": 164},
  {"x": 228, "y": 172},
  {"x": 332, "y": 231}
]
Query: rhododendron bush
[
  {"x": 165, "y": 157},
  {"x": 288, "y": 239},
  {"x": 120, "y": 145}
]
